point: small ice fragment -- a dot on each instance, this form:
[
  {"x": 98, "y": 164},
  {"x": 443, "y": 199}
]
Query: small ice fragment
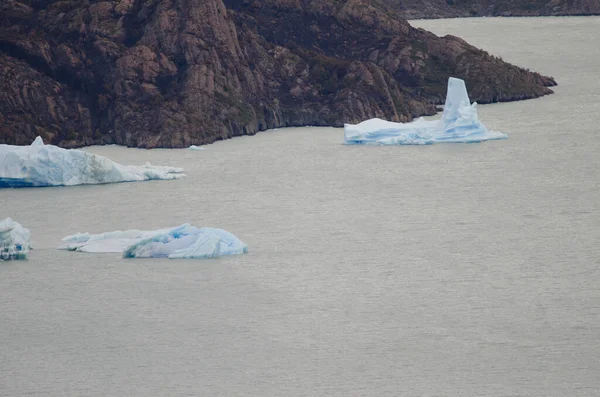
[{"x": 14, "y": 240}]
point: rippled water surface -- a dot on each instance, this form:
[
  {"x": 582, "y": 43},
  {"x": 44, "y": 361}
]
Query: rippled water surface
[{"x": 444, "y": 270}]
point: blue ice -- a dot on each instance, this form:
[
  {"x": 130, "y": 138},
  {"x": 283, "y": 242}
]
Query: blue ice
[
  {"x": 181, "y": 242},
  {"x": 47, "y": 165},
  {"x": 459, "y": 124},
  {"x": 14, "y": 240}
]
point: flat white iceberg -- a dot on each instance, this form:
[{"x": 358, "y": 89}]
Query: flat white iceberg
[
  {"x": 180, "y": 242},
  {"x": 459, "y": 124},
  {"x": 48, "y": 165},
  {"x": 194, "y": 147},
  {"x": 14, "y": 240}
]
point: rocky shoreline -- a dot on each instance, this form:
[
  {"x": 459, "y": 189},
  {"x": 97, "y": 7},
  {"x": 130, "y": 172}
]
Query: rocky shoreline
[
  {"x": 437, "y": 9},
  {"x": 172, "y": 73}
]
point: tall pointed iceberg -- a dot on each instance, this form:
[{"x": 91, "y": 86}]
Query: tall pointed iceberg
[{"x": 459, "y": 124}]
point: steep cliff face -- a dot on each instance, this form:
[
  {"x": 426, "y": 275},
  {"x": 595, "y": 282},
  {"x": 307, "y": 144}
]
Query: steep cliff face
[
  {"x": 413, "y": 9},
  {"x": 170, "y": 73}
]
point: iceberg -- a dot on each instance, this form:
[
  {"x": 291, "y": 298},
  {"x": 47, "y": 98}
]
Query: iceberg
[
  {"x": 181, "y": 242},
  {"x": 48, "y": 165},
  {"x": 194, "y": 147},
  {"x": 459, "y": 124},
  {"x": 14, "y": 240}
]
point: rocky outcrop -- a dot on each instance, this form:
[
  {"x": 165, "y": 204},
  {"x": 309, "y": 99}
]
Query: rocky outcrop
[
  {"x": 413, "y": 9},
  {"x": 170, "y": 73}
]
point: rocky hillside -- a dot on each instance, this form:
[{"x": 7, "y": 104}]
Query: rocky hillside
[
  {"x": 417, "y": 9},
  {"x": 170, "y": 73}
]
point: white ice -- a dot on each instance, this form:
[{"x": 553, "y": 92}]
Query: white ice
[
  {"x": 48, "y": 165},
  {"x": 194, "y": 147},
  {"x": 14, "y": 240},
  {"x": 180, "y": 242},
  {"x": 459, "y": 124}
]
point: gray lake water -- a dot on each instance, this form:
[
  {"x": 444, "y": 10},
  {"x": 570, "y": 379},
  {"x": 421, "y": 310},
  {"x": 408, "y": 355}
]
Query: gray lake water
[{"x": 444, "y": 270}]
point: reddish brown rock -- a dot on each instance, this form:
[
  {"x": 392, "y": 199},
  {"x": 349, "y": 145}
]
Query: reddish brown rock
[{"x": 171, "y": 73}]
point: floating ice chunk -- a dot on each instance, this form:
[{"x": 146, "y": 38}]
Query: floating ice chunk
[
  {"x": 187, "y": 242},
  {"x": 180, "y": 242},
  {"x": 459, "y": 124},
  {"x": 194, "y": 147},
  {"x": 48, "y": 165},
  {"x": 14, "y": 240},
  {"x": 117, "y": 241}
]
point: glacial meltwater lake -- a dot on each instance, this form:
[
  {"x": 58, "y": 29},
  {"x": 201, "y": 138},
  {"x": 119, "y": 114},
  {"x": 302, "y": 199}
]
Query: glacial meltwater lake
[{"x": 442, "y": 270}]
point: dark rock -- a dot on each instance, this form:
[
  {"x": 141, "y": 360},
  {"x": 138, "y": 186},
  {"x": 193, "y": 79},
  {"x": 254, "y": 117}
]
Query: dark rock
[
  {"x": 171, "y": 73},
  {"x": 418, "y": 9}
]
